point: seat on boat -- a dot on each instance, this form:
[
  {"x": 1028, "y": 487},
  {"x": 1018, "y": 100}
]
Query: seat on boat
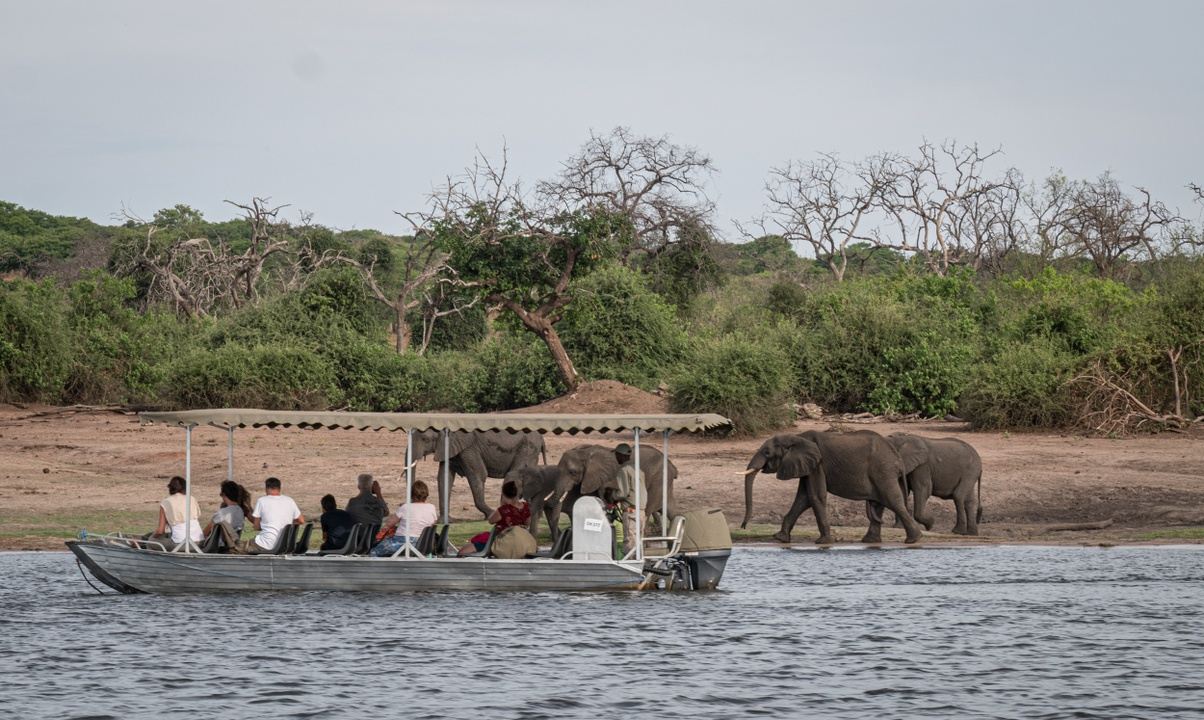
[
  {"x": 441, "y": 548},
  {"x": 488, "y": 545},
  {"x": 284, "y": 542},
  {"x": 213, "y": 541},
  {"x": 353, "y": 541},
  {"x": 367, "y": 539},
  {"x": 593, "y": 534},
  {"x": 302, "y": 545},
  {"x": 560, "y": 548},
  {"x": 426, "y": 540}
]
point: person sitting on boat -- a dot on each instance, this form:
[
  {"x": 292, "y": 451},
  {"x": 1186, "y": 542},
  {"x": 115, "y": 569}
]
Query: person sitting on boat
[
  {"x": 336, "y": 524},
  {"x": 369, "y": 507},
  {"x": 628, "y": 481},
  {"x": 511, "y": 511},
  {"x": 422, "y": 515},
  {"x": 235, "y": 508},
  {"x": 273, "y": 512},
  {"x": 170, "y": 531}
]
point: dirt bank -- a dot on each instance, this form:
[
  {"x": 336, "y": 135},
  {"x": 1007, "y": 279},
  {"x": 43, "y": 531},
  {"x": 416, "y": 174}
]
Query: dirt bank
[{"x": 64, "y": 468}]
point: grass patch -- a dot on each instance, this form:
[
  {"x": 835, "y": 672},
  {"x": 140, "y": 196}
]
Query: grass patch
[
  {"x": 1183, "y": 533},
  {"x": 27, "y": 525}
]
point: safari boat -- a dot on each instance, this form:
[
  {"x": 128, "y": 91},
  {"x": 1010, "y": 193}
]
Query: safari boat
[{"x": 691, "y": 555}]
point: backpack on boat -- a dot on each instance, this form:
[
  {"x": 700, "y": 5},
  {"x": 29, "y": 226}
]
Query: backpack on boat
[{"x": 513, "y": 543}]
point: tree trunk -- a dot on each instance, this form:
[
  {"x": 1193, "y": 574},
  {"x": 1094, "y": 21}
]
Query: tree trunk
[
  {"x": 568, "y": 373},
  {"x": 403, "y": 329}
]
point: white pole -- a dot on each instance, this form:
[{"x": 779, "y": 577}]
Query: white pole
[
  {"x": 444, "y": 489},
  {"x": 230, "y": 454},
  {"x": 187, "y": 489},
  {"x": 639, "y": 510},
  {"x": 665, "y": 486},
  {"x": 409, "y": 490}
]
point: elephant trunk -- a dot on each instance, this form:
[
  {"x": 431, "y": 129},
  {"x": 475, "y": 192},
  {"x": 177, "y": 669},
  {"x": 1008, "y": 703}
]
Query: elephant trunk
[{"x": 754, "y": 466}]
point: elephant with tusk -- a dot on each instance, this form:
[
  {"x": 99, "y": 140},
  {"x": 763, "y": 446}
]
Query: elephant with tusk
[
  {"x": 479, "y": 455},
  {"x": 859, "y": 465}
]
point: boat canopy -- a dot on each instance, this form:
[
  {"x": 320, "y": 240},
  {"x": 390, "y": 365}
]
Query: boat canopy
[{"x": 454, "y": 422}]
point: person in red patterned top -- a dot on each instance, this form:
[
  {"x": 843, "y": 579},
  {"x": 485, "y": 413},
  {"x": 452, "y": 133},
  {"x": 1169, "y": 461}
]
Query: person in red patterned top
[{"x": 511, "y": 511}]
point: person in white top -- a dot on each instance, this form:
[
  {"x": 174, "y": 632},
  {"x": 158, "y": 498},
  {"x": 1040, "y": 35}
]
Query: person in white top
[
  {"x": 172, "y": 519},
  {"x": 422, "y": 515},
  {"x": 273, "y": 513}
]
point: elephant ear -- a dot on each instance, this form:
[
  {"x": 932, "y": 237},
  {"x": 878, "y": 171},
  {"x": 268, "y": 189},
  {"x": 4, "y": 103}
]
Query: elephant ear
[
  {"x": 911, "y": 449},
  {"x": 457, "y": 442},
  {"x": 800, "y": 461},
  {"x": 599, "y": 471}
]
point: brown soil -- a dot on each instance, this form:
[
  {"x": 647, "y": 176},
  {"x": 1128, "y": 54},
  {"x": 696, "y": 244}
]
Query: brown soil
[
  {"x": 603, "y": 397},
  {"x": 62, "y": 467}
]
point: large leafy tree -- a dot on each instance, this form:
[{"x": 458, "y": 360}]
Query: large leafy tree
[{"x": 520, "y": 251}]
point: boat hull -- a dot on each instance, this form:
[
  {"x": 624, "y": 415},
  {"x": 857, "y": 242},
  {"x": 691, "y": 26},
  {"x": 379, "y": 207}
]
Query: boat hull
[{"x": 139, "y": 570}]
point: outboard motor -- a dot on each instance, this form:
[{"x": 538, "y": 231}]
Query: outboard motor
[{"x": 705, "y": 547}]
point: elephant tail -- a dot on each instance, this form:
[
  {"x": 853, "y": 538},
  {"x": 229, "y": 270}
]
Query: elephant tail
[{"x": 978, "y": 517}]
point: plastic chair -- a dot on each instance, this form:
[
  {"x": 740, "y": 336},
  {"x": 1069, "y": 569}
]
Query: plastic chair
[
  {"x": 367, "y": 540},
  {"x": 284, "y": 542},
  {"x": 353, "y": 541},
  {"x": 488, "y": 545},
  {"x": 441, "y": 543},
  {"x": 301, "y": 546},
  {"x": 213, "y": 541},
  {"x": 426, "y": 541}
]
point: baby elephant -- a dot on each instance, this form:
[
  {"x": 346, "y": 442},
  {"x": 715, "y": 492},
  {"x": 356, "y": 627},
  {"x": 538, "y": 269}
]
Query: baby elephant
[{"x": 535, "y": 484}]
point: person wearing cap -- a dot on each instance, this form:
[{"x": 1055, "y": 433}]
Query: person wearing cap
[
  {"x": 628, "y": 481},
  {"x": 368, "y": 507}
]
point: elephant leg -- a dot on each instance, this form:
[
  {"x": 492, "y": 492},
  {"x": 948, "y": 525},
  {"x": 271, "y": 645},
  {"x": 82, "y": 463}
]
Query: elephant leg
[
  {"x": 967, "y": 514},
  {"x": 873, "y": 511},
  {"x": 894, "y": 501},
  {"x": 921, "y": 487},
  {"x": 553, "y": 521},
  {"x": 817, "y": 494},
  {"x": 477, "y": 485},
  {"x": 536, "y": 511},
  {"x": 801, "y": 502}
]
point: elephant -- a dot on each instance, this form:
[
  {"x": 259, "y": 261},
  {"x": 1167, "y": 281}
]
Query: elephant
[
  {"x": 536, "y": 484},
  {"x": 590, "y": 469},
  {"x": 947, "y": 468},
  {"x": 479, "y": 455},
  {"x": 858, "y": 465}
]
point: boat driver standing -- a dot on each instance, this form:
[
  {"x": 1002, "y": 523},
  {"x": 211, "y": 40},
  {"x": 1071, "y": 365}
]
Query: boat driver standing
[{"x": 628, "y": 480}]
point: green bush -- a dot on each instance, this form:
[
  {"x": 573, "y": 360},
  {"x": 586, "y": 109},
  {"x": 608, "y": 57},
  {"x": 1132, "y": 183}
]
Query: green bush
[
  {"x": 517, "y": 372},
  {"x": 884, "y": 347},
  {"x": 278, "y": 377},
  {"x": 743, "y": 378},
  {"x": 1022, "y": 386},
  {"x": 618, "y": 329},
  {"x": 35, "y": 345},
  {"x": 372, "y": 376}
]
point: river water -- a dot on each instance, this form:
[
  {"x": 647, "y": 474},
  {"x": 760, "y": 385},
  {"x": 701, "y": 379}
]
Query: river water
[{"x": 1008, "y": 632}]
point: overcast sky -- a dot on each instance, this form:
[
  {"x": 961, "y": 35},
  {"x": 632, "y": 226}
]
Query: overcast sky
[{"x": 352, "y": 110}]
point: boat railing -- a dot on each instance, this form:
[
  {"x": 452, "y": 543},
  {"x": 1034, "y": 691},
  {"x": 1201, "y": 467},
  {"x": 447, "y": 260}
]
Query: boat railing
[
  {"x": 672, "y": 542},
  {"x": 119, "y": 538}
]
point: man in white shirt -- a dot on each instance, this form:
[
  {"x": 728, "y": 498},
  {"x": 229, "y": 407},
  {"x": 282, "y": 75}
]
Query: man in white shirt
[{"x": 272, "y": 514}]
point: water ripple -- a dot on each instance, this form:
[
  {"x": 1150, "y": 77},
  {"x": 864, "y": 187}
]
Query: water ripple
[{"x": 1000, "y": 632}]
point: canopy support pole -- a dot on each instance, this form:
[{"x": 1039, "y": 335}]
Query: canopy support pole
[
  {"x": 187, "y": 544},
  {"x": 639, "y": 491},
  {"x": 444, "y": 486},
  {"x": 665, "y": 485},
  {"x": 409, "y": 490},
  {"x": 230, "y": 454}
]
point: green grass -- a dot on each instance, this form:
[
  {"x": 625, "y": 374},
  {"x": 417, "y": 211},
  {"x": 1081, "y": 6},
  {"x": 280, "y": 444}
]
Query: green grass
[
  {"x": 1184, "y": 533},
  {"x": 26, "y": 525}
]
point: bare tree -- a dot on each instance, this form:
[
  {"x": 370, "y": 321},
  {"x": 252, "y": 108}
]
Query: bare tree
[
  {"x": 990, "y": 225},
  {"x": 823, "y": 203},
  {"x": 1108, "y": 226},
  {"x": 925, "y": 190},
  {"x": 655, "y": 185},
  {"x": 423, "y": 265},
  {"x": 198, "y": 275}
]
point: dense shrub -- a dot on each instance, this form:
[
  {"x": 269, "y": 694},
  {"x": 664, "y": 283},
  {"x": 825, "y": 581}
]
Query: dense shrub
[
  {"x": 618, "y": 329},
  {"x": 1023, "y": 385},
  {"x": 744, "y": 378},
  {"x": 884, "y": 347},
  {"x": 517, "y": 372},
  {"x": 372, "y": 376},
  {"x": 34, "y": 341},
  {"x": 279, "y": 377}
]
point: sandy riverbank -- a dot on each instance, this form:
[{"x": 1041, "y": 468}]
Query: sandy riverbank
[{"x": 66, "y": 468}]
